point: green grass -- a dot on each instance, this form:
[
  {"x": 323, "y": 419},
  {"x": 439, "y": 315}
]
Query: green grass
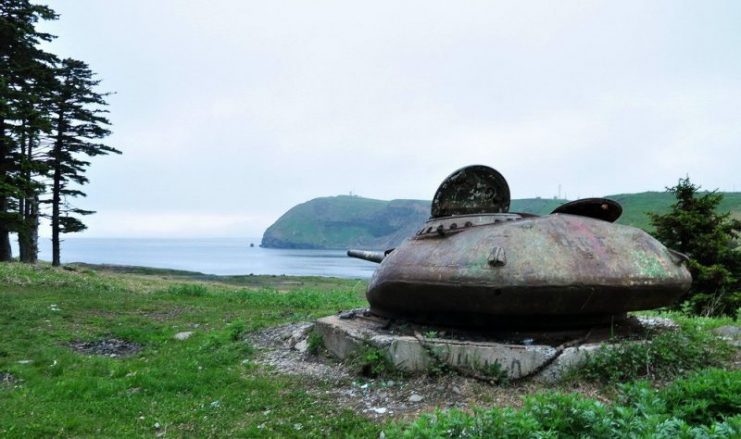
[
  {"x": 210, "y": 386},
  {"x": 203, "y": 386},
  {"x": 704, "y": 405}
]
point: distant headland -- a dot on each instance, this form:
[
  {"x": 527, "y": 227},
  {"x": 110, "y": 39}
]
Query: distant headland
[{"x": 346, "y": 221}]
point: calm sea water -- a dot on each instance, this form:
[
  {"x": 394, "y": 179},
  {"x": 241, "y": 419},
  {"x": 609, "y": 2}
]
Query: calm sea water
[{"x": 211, "y": 256}]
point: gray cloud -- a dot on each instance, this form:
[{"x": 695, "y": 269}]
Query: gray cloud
[{"x": 231, "y": 112}]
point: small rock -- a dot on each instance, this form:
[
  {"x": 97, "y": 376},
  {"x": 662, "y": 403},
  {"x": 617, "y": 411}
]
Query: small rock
[
  {"x": 729, "y": 331},
  {"x": 215, "y": 404},
  {"x": 415, "y": 398},
  {"x": 183, "y": 335},
  {"x": 302, "y": 346},
  {"x": 157, "y": 426},
  {"x": 379, "y": 410},
  {"x": 457, "y": 390}
]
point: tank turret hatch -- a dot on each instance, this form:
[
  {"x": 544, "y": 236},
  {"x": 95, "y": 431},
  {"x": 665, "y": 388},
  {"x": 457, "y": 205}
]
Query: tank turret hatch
[
  {"x": 471, "y": 190},
  {"x": 599, "y": 208}
]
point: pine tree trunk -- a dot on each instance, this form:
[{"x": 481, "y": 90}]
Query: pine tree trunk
[
  {"x": 33, "y": 246},
  {"x": 55, "y": 204},
  {"x": 28, "y": 234},
  {"x": 22, "y": 207},
  {"x": 22, "y": 235},
  {"x": 6, "y": 253}
]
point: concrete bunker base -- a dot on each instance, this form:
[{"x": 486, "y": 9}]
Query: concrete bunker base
[{"x": 515, "y": 355}]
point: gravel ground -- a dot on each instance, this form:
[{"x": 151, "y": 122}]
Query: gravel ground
[{"x": 283, "y": 350}]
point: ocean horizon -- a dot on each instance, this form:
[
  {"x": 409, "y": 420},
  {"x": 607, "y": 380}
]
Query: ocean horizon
[{"x": 219, "y": 256}]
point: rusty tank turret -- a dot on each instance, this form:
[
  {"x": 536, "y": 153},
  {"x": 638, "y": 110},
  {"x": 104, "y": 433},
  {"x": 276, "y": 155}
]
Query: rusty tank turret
[{"x": 475, "y": 264}]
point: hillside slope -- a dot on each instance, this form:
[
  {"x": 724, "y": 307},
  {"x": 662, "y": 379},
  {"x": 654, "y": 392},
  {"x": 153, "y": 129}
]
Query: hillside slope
[
  {"x": 343, "y": 221},
  {"x": 349, "y": 221}
]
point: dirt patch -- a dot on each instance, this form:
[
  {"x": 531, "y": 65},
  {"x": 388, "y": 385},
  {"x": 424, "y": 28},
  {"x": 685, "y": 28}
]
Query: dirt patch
[
  {"x": 7, "y": 378},
  {"x": 110, "y": 347},
  {"x": 283, "y": 349},
  {"x": 280, "y": 348}
]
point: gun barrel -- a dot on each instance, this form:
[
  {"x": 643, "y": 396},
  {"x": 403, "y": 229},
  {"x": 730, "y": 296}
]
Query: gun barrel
[{"x": 367, "y": 255}]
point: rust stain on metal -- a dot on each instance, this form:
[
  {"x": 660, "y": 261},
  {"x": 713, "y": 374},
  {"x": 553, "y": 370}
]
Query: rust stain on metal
[{"x": 572, "y": 267}]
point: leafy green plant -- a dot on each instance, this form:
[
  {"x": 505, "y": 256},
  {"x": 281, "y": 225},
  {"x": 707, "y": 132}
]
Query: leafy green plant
[
  {"x": 236, "y": 330},
  {"x": 705, "y": 397},
  {"x": 496, "y": 372},
  {"x": 665, "y": 355},
  {"x": 315, "y": 342},
  {"x": 639, "y": 412},
  {"x": 370, "y": 361},
  {"x": 191, "y": 290}
]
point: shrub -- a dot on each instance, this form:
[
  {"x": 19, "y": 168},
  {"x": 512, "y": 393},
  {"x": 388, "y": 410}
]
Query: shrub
[
  {"x": 705, "y": 397},
  {"x": 665, "y": 355},
  {"x": 370, "y": 361},
  {"x": 314, "y": 343},
  {"x": 639, "y": 412},
  {"x": 188, "y": 290}
]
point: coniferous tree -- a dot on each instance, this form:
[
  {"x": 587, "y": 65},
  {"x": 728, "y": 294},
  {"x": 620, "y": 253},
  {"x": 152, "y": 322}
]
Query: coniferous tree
[
  {"x": 78, "y": 122},
  {"x": 34, "y": 126},
  {"x": 694, "y": 227},
  {"x": 21, "y": 62}
]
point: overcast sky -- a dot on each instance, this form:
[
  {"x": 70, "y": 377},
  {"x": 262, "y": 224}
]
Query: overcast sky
[{"x": 231, "y": 112}]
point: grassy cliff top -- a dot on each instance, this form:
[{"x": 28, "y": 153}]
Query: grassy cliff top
[{"x": 344, "y": 221}]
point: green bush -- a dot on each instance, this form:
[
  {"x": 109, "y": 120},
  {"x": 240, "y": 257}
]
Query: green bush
[
  {"x": 705, "y": 397},
  {"x": 370, "y": 361},
  {"x": 190, "y": 290},
  {"x": 315, "y": 342},
  {"x": 639, "y": 412},
  {"x": 665, "y": 355}
]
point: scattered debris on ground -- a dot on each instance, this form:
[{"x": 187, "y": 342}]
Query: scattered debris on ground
[
  {"x": 284, "y": 350},
  {"x": 111, "y": 347}
]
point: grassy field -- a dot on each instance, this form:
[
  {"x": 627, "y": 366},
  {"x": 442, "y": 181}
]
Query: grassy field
[{"x": 209, "y": 385}]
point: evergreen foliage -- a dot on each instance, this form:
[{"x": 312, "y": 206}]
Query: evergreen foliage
[
  {"x": 23, "y": 65},
  {"x": 694, "y": 227},
  {"x": 78, "y": 122},
  {"x": 50, "y": 116}
]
